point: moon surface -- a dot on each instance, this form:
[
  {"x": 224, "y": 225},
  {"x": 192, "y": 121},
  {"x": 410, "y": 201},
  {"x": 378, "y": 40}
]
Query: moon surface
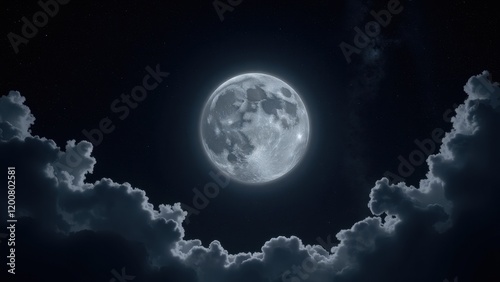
[{"x": 254, "y": 128}]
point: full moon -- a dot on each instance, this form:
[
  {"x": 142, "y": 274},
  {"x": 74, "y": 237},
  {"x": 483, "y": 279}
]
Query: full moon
[{"x": 254, "y": 128}]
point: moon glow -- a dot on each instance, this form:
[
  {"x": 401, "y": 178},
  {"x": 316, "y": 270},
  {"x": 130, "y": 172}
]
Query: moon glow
[{"x": 254, "y": 128}]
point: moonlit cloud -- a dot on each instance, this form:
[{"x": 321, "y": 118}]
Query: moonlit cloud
[
  {"x": 15, "y": 118},
  {"x": 413, "y": 230}
]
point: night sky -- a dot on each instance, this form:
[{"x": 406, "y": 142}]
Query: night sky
[{"x": 119, "y": 204}]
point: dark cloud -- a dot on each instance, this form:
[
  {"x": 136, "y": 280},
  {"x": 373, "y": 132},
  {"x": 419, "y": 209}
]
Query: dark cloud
[
  {"x": 445, "y": 227},
  {"x": 15, "y": 118}
]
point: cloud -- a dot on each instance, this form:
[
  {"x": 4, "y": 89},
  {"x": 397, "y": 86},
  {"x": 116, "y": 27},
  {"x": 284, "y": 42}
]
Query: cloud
[
  {"x": 445, "y": 226},
  {"x": 16, "y": 118}
]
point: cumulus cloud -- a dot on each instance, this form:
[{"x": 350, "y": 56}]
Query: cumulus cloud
[
  {"x": 15, "y": 118},
  {"x": 413, "y": 234}
]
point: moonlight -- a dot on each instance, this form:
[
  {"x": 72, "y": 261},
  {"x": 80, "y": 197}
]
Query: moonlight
[{"x": 254, "y": 128}]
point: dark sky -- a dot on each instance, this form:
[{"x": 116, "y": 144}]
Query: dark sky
[{"x": 366, "y": 116}]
